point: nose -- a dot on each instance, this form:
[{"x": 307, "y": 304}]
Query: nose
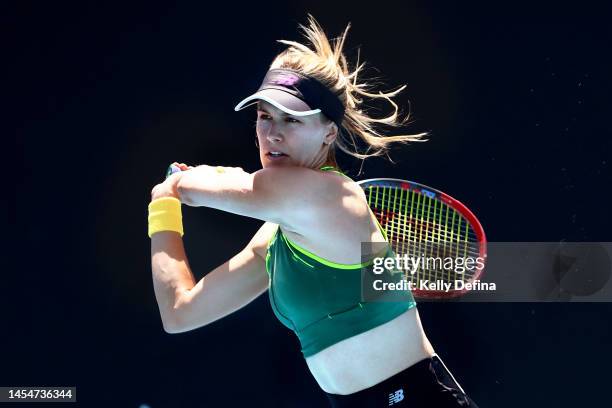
[{"x": 274, "y": 135}]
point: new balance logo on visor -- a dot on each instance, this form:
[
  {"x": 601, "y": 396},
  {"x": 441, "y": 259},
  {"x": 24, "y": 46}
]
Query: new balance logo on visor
[
  {"x": 285, "y": 79},
  {"x": 396, "y": 396}
]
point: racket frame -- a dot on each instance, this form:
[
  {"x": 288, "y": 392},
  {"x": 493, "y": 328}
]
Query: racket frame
[{"x": 454, "y": 204}]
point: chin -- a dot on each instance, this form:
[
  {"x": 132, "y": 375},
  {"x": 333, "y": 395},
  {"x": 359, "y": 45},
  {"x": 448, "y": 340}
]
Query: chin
[
  {"x": 266, "y": 162},
  {"x": 269, "y": 164}
]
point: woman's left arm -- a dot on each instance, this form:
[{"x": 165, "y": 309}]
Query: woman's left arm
[{"x": 290, "y": 196}]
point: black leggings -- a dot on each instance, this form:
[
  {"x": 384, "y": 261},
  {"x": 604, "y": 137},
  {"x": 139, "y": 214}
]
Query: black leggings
[{"x": 426, "y": 384}]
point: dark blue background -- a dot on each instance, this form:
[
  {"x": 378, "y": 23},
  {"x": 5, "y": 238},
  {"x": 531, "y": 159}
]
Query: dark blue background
[{"x": 102, "y": 98}]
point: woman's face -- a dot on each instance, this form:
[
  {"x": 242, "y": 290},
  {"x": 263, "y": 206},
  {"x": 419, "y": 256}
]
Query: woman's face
[{"x": 302, "y": 140}]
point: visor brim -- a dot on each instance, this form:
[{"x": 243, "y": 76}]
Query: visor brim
[{"x": 281, "y": 100}]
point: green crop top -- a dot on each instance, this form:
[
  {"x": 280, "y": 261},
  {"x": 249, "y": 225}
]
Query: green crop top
[{"x": 321, "y": 301}]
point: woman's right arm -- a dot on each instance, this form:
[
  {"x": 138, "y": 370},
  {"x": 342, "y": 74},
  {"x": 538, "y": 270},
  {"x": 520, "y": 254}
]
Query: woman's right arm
[{"x": 186, "y": 305}]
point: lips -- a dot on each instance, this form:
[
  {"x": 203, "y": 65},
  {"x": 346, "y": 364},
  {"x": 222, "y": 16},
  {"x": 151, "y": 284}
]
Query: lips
[{"x": 275, "y": 154}]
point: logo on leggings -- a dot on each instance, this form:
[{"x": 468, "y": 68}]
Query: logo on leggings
[{"x": 396, "y": 396}]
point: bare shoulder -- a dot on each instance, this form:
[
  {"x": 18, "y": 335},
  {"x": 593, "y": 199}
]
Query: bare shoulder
[
  {"x": 259, "y": 242},
  {"x": 340, "y": 214},
  {"x": 304, "y": 194}
]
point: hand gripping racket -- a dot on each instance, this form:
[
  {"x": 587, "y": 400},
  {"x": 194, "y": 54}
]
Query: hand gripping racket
[{"x": 422, "y": 222}]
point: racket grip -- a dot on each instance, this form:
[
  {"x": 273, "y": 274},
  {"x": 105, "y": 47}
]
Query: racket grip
[{"x": 172, "y": 169}]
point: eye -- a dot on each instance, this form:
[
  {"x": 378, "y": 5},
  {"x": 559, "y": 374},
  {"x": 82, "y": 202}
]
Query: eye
[
  {"x": 289, "y": 119},
  {"x": 263, "y": 116}
]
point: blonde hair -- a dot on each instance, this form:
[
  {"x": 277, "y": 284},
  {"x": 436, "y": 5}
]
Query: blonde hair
[{"x": 327, "y": 63}]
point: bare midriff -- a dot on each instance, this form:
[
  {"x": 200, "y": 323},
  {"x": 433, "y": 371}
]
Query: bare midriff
[{"x": 369, "y": 358}]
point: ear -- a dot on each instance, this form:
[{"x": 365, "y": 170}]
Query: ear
[{"x": 331, "y": 134}]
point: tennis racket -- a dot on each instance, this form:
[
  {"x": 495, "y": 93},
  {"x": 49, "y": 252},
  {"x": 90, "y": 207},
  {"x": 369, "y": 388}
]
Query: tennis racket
[
  {"x": 424, "y": 223},
  {"x": 173, "y": 168}
]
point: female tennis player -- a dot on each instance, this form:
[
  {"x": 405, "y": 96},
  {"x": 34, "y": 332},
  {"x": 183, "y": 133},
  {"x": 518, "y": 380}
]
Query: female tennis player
[{"x": 307, "y": 254}]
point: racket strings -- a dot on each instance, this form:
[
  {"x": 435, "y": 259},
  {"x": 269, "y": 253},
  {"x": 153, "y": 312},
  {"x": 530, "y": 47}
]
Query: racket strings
[{"x": 426, "y": 230}]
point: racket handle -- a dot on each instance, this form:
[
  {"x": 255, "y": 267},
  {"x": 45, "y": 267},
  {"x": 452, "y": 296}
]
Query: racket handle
[{"x": 172, "y": 169}]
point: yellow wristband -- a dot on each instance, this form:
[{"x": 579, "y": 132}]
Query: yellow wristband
[{"x": 165, "y": 215}]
